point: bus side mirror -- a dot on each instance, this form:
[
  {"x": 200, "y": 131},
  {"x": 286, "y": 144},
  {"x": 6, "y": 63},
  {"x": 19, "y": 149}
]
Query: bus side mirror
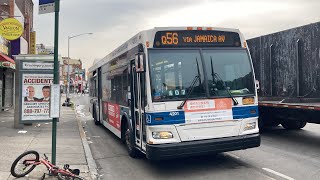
[
  {"x": 139, "y": 62},
  {"x": 257, "y": 84}
]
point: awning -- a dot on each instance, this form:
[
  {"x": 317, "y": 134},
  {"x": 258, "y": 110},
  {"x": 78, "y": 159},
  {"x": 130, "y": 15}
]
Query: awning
[
  {"x": 6, "y": 58},
  {"x": 7, "y": 62}
]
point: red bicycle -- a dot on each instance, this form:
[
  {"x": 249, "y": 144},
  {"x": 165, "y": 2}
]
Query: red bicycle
[{"x": 28, "y": 160}]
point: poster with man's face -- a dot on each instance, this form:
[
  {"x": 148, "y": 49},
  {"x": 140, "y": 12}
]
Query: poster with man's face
[{"x": 36, "y": 96}]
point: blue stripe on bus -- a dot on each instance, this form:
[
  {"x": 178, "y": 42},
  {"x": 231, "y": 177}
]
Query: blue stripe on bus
[
  {"x": 173, "y": 117},
  {"x": 178, "y": 117},
  {"x": 245, "y": 112}
]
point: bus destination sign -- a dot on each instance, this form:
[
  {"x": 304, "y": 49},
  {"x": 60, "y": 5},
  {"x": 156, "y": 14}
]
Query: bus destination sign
[{"x": 194, "y": 38}]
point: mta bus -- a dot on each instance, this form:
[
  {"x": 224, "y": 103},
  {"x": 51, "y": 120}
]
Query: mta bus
[{"x": 178, "y": 91}]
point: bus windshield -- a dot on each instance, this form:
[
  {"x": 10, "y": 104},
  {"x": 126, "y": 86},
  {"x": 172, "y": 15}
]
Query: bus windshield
[
  {"x": 172, "y": 73},
  {"x": 228, "y": 70}
]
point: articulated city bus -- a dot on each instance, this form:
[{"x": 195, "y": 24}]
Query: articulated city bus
[{"x": 178, "y": 91}]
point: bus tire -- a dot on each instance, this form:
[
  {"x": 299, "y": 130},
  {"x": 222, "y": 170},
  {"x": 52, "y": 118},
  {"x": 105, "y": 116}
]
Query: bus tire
[
  {"x": 129, "y": 140},
  {"x": 94, "y": 114},
  {"x": 293, "y": 125},
  {"x": 261, "y": 124}
]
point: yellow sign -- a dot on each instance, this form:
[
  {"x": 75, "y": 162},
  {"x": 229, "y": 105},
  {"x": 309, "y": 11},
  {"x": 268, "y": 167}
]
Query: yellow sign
[
  {"x": 3, "y": 46},
  {"x": 4, "y": 49},
  {"x": 33, "y": 42},
  {"x": 11, "y": 29}
]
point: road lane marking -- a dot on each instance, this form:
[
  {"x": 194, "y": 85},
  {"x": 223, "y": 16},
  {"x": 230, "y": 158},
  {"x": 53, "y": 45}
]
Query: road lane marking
[
  {"x": 243, "y": 163},
  {"x": 278, "y": 174}
]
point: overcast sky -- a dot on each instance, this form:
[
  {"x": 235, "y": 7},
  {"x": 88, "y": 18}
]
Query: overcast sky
[{"x": 112, "y": 22}]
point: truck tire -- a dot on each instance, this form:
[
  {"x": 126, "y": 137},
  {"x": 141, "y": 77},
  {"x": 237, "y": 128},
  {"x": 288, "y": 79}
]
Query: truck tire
[
  {"x": 293, "y": 125},
  {"x": 261, "y": 125},
  {"x": 275, "y": 122}
]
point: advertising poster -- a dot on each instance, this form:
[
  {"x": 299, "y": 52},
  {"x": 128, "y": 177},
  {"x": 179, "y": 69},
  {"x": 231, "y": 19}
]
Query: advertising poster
[
  {"x": 36, "y": 96},
  {"x": 208, "y": 110},
  {"x": 114, "y": 115}
]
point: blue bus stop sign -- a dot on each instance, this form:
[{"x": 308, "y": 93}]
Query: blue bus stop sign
[
  {"x": 41, "y": 2},
  {"x": 46, "y": 6}
]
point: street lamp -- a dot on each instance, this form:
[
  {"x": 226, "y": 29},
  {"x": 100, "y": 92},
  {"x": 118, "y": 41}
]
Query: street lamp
[{"x": 68, "y": 75}]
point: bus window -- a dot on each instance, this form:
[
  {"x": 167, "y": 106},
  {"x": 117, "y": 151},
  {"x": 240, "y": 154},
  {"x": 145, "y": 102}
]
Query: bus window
[
  {"x": 172, "y": 73},
  {"x": 233, "y": 68}
]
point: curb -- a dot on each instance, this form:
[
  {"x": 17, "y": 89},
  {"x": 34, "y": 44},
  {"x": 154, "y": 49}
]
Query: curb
[{"x": 91, "y": 162}]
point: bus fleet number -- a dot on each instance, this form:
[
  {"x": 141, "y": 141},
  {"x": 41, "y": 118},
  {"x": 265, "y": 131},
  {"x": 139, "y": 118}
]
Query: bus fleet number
[
  {"x": 170, "y": 38},
  {"x": 174, "y": 113}
]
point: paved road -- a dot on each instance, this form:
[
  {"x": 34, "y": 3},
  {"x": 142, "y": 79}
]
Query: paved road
[{"x": 282, "y": 155}]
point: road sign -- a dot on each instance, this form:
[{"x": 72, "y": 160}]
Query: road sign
[
  {"x": 46, "y": 6},
  {"x": 55, "y": 101}
]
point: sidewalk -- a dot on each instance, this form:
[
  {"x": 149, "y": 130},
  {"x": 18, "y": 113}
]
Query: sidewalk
[{"x": 70, "y": 149}]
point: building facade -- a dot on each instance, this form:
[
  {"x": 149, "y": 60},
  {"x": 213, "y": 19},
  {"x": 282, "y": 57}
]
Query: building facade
[
  {"x": 22, "y": 10},
  {"x": 76, "y": 74}
]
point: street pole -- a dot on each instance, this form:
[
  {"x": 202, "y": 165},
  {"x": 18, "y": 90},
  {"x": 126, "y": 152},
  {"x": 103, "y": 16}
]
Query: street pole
[
  {"x": 82, "y": 89},
  {"x": 68, "y": 72},
  {"x": 55, "y": 76}
]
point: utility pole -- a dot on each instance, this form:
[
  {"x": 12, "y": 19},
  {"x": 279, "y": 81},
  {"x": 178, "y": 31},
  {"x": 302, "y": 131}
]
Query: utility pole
[
  {"x": 55, "y": 76},
  {"x": 68, "y": 72}
]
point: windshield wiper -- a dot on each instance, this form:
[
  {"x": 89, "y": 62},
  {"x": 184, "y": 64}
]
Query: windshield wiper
[
  {"x": 235, "y": 102},
  {"x": 197, "y": 77},
  {"x": 212, "y": 71}
]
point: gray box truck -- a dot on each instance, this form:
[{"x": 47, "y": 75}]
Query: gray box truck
[{"x": 287, "y": 66}]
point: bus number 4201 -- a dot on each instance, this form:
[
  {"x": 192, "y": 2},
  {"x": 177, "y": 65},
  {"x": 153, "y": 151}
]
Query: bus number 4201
[{"x": 174, "y": 113}]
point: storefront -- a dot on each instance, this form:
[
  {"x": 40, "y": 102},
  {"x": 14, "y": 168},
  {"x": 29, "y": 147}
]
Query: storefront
[
  {"x": 7, "y": 70},
  {"x": 11, "y": 43}
]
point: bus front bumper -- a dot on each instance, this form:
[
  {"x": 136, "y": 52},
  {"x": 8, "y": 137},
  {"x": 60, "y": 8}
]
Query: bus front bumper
[{"x": 201, "y": 147}]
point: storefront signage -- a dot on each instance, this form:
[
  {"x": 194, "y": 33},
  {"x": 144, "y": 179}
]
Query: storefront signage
[
  {"x": 11, "y": 29},
  {"x": 7, "y": 64},
  {"x": 4, "y": 49},
  {"x": 33, "y": 42},
  {"x": 4, "y": 46}
]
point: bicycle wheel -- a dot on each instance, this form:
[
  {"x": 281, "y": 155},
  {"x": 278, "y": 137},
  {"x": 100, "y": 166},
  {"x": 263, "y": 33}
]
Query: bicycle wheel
[
  {"x": 62, "y": 176},
  {"x": 20, "y": 167}
]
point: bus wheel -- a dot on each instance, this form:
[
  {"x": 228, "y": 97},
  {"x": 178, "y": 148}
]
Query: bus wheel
[
  {"x": 129, "y": 139},
  {"x": 293, "y": 125},
  {"x": 94, "y": 114}
]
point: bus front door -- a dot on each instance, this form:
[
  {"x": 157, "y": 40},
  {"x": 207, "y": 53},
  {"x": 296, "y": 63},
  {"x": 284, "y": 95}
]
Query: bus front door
[{"x": 137, "y": 86}]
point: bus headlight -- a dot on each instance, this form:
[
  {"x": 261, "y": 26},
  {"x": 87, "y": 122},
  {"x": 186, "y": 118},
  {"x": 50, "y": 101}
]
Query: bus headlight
[
  {"x": 162, "y": 135},
  {"x": 250, "y": 126}
]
